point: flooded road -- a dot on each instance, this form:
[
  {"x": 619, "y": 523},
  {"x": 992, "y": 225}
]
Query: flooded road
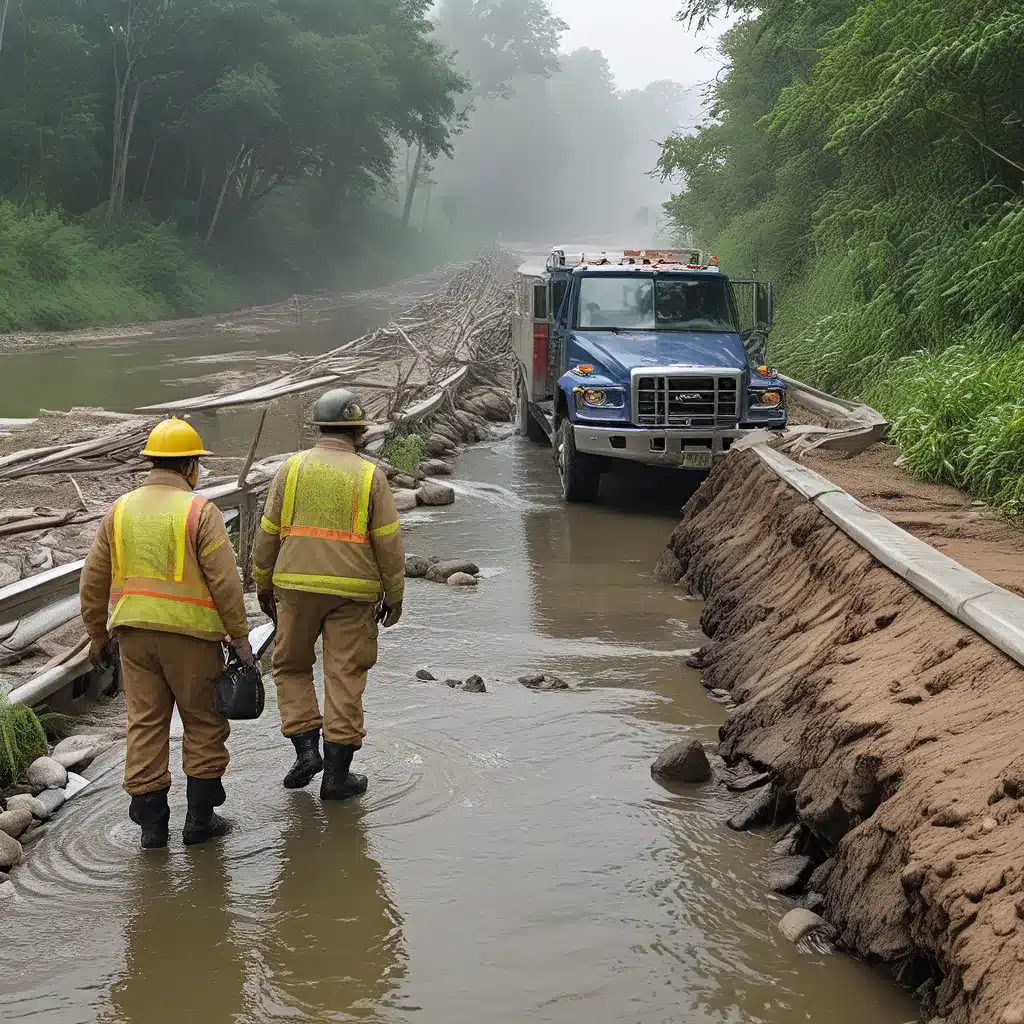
[{"x": 513, "y": 858}]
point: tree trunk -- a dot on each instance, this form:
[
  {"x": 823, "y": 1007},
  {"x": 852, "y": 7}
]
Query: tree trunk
[
  {"x": 411, "y": 191},
  {"x": 426, "y": 204},
  {"x": 229, "y": 174},
  {"x": 117, "y": 197},
  {"x": 3, "y": 21},
  {"x": 149, "y": 171}
]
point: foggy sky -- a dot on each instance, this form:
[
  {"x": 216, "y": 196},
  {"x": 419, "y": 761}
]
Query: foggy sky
[{"x": 640, "y": 39}]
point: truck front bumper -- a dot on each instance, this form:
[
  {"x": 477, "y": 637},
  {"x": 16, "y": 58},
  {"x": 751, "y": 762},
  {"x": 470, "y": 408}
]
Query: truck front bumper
[{"x": 654, "y": 446}]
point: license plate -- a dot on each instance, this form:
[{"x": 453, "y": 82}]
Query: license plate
[{"x": 697, "y": 460}]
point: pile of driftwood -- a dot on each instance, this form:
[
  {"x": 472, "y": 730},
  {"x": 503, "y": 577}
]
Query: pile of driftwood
[{"x": 444, "y": 361}]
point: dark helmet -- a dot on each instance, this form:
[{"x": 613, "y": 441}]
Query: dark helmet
[{"x": 339, "y": 408}]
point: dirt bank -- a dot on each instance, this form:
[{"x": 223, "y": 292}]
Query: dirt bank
[{"x": 893, "y": 731}]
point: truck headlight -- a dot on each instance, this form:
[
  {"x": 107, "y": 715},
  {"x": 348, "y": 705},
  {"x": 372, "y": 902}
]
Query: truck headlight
[
  {"x": 600, "y": 398},
  {"x": 771, "y": 398}
]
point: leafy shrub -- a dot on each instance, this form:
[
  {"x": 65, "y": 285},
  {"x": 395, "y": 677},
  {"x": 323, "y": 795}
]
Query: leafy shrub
[
  {"x": 22, "y": 740},
  {"x": 403, "y": 451}
]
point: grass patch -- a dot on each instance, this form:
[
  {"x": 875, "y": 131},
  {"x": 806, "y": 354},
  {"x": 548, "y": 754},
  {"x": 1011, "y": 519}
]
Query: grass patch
[{"x": 22, "y": 740}]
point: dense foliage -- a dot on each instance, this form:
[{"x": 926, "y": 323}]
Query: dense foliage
[
  {"x": 869, "y": 158},
  {"x": 22, "y": 740},
  {"x": 257, "y": 128}
]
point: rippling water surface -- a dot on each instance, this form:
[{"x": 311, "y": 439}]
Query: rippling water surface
[{"x": 513, "y": 859}]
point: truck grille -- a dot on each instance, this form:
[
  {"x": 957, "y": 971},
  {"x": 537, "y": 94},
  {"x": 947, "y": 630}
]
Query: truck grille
[{"x": 672, "y": 401}]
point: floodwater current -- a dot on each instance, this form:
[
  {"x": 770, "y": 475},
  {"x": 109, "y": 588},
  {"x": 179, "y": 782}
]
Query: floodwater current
[{"x": 513, "y": 859}]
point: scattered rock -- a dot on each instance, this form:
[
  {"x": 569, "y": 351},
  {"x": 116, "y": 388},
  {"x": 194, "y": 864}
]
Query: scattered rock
[
  {"x": 788, "y": 844},
  {"x": 7, "y": 891},
  {"x": 1013, "y": 778},
  {"x": 760, "y": 811},
  {"x": 440, "y": 571},
  {"x": 52, "y": 799},
  {"x": 79, "y": 751},
  {"x": 76, "y": 783},
  {"x": 403, "y": 482},
  {"x": 668, "y": 568},
  {"x": 748, "y": 782},
  {"x": 4, "y": 877},
  {"x": 425, "y": 675},
  {"x": 684, "y": 761},
  {"x": 15, "y": 820},
  {"x": 44, "y": 771},
  {"x": 800, "y": 923},
  {"x": 436, "y": 467},
  {"x": 10, "y": 851},
  {"x": 462, "y": 579},
  {"x": 437, "y": 444},
  {"x": 431, "y": 493},
  {"x": 474, "y": 684},
  {"x": 989, "y": 825},
  {"x": 453, "y": 683},
  {"x": 8, "y": 574},
  {"x": 405, "y": 501},
  {"x": 1004, "y": 921},
  {"x": 788, "y": 874},
  {"x": 950, "y": 817},
  {"x": 720, "y": 694},
  {"x": 416, "y": 567},
  {"x": 20, "y": 789},
  {"x": 818, "y": 882},
  {"x": 697, "y": 659},
  {"x": 1012, "y": 1015},
  {"x": 31, "y": 803},
  {"x": 544, "y": 681},
  {"x": 813, "y": 902}
]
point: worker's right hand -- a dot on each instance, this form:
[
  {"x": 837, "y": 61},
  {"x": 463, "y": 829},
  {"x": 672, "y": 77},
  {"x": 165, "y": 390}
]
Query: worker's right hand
[
  {"x": 268, "y": 603},
  {"x": 244, "y": 651},
  {"x": 99, "y": 653},
  {"x": 390, "y": 614}
]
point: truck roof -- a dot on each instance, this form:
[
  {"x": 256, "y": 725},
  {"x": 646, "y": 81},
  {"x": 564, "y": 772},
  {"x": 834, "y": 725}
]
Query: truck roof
[{"x": 657, "y": 268}]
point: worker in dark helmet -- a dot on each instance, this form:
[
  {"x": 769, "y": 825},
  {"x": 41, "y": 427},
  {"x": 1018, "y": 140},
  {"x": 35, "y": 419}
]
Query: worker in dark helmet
[
  {"x": 161, "y": 575},
  {"x": 328, "y": 561}
]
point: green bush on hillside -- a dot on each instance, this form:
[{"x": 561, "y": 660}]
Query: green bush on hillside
[{"x": 22, "y": 740}]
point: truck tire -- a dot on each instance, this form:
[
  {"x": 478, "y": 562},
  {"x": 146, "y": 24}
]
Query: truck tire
[
  {"x": 580, "y": 474},
  {"x": 525, "y": 420}
]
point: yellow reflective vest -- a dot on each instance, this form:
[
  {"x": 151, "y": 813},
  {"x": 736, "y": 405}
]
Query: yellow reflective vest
[
  {"x": 330, "y": 526},
  {"x": 156, "y": 580}
]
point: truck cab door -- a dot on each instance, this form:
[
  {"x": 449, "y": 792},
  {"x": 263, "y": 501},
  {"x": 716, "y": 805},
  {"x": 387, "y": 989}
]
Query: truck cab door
[
  {"x": 560, "y": 302},
  {"x": 755, "y": 308}
]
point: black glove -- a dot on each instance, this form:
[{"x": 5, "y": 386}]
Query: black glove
[
  {"x": 268, "y": 603},
  {"x": 389, "y": 614}
]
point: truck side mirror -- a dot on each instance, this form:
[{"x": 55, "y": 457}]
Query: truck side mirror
[{"x": 764, "y": 312}]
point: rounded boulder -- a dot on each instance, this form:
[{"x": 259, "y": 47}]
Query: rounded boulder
[{"x": 684, "y": 761}]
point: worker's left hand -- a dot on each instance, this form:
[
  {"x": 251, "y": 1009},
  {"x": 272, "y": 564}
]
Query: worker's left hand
[
  {"x": 244, "y": 651},
  {"x": 389, "y": 614},
  {"x": 99, "y": 653}
]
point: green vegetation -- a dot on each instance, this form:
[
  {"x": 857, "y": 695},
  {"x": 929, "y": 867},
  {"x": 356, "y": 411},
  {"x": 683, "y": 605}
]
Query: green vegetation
[
  {"x": 868, "y": 158},
  {"x": 403, "y": 451},
  {"x": 154, "y": 153},
  {"x": 22, "y": 740}
]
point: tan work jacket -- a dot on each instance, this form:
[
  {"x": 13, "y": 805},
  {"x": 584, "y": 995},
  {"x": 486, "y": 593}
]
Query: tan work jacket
[
  {"x": 330, "y": 526},
  {"x": 194, "y": 568}
]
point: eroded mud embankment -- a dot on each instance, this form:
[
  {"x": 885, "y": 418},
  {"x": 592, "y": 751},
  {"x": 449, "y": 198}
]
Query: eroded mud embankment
[{"x": 895, "y": 735}]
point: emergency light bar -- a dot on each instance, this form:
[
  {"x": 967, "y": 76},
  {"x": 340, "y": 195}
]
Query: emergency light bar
[{"x": 691, "y": 259}]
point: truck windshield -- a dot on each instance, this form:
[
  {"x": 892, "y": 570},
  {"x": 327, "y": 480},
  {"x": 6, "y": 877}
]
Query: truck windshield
[{"x": 665, "y": 303}]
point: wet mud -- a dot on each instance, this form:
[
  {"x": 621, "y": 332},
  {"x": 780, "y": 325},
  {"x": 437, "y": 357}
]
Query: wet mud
[
  {"x": 890, "y": 728},
  {"x": 513, "y": 859}
]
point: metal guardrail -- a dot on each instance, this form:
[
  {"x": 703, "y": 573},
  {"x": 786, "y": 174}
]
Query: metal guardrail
[
  {"x": 863, "y": 426},
  {"x": 989, "y": 610}
]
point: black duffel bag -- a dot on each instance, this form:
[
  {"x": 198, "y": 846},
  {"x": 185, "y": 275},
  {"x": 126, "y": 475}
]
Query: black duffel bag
[{"x": 238, "y": 691}]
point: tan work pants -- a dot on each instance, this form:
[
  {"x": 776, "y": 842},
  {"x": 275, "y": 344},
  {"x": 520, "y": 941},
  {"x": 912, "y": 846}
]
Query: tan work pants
[
  {"x": 349, "y": 630},
  {"x": 160, "y": 670}
]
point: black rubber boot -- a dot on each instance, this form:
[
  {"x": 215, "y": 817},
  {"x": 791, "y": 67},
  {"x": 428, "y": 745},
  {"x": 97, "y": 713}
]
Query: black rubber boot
[
  {"x": 201, "y": 823},
  {"x": 308, "y": 761},
  {"x": 151, "y": 812},
  {"x": 338, "y": 782}
]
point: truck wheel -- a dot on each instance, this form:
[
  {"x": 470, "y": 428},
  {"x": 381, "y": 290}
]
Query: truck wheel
[
  {"x": 580, "y": 474},
  {"x": 526, "y": 422}
]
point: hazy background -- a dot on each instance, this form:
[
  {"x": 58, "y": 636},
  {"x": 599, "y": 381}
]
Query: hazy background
[{"x": 568, "y": 148}]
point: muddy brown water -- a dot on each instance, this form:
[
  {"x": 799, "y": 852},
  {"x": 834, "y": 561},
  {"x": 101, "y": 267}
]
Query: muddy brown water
[{"x": 513, "y": 859}]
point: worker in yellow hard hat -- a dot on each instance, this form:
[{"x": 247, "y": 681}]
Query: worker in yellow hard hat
[
  {"x": 328, "y": 561},
  {"x": 161, "y": 576}
]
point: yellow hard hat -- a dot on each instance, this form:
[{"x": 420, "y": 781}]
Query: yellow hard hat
[{"x": 174, "y": 439}]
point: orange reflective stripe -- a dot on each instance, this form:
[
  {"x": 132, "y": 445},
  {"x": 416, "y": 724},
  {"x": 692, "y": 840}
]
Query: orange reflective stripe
[
  {"x": 139, "y": 592},
  {"x": 195, "y": 510},
  {"x": 322, "y": 533}
]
